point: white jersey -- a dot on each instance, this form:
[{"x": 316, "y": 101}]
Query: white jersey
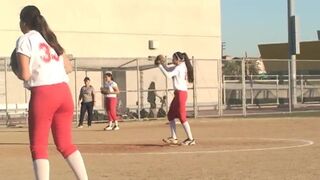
[
  {"x": 178, "y": 75},
  {"x": 110, "y": 86},
  {"x": 45, "y": 66}
]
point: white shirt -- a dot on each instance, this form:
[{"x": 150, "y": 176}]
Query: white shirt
[
  {"x": 178, "y": 75},
  {"x": 110, "y": 86},
  {"x": 45, "y": 66}
]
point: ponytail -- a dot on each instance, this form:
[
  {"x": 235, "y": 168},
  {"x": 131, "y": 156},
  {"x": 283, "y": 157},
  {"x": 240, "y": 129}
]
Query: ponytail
[
  {"x": 189, "y": 67},
  {"x": 184, "y": 57},
  {"x": 49, "y": 36},
  {"x": 32, "y": 17}
]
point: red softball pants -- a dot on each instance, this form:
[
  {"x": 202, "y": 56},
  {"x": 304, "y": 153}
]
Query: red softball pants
[
  {"x": 111, "y": 108},
  {"x": 50, "y": 107},
  {"x": 178, "y": 106}
]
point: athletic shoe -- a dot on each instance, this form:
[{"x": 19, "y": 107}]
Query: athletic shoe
[
  {"x": 115, "y": 128},
  {"x": 170, "y": 140},
  {"x": 80, "y": 126},
  {"x": 189, "y": 142},
  {"x": 108, "y": 128}
]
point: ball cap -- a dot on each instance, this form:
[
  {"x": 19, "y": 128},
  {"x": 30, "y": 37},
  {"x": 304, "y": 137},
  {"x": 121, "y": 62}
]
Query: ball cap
[{"x": 108, "y": 72}]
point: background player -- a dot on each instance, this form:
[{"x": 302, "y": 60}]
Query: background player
[{"x": 110, "y": 90}]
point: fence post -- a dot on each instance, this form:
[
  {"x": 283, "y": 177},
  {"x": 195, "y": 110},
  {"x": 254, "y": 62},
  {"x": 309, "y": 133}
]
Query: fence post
[
  {"x": 195, "y": 105},
  {"x": 138, "y": 88},
  {"x": 224, "y": 90},
  {"x": 251, "y": 88},
  {"x": 141, "y": 90},
  {"x": 277, "y": 89},
  {"x": 243, "y": 75},
  {"x": 220, "y": 111},
  {"x": 167, "y": 91},
  {"x": 289, "y": 87},
  {"x": 301, "y": 88},
  {"x": 76, "y": 89},
  {"x": 6, "y": 88}
]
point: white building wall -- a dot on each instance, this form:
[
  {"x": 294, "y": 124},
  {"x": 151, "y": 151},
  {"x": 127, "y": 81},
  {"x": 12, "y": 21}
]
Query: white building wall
[{"x": 123, "y": 28}]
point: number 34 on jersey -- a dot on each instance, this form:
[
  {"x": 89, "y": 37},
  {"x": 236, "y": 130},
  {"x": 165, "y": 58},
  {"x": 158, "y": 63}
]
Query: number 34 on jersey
[{"x": 47, "y": 54}]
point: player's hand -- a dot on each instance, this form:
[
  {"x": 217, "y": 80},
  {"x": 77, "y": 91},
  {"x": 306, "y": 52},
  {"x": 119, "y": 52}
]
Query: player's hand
[
  {"x": 159, "y": 60},
  {"x": 104, "y": 90}
]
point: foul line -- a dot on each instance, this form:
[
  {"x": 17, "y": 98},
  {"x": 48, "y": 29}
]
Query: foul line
[{"x": 303, "y": 141}]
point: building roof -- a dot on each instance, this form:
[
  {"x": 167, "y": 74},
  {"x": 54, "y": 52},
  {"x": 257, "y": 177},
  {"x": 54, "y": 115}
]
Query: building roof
[
  {"x": 275, "y": 57},
  {"x": 309, "y": 50}
]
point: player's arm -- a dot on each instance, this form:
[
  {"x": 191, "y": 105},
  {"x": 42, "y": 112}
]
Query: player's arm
[
  {"x": 169, "y": 74},
  {"x": 80, "y": 96},
  {"x": 115, "y": 90},
  {"x": 165, "y": 67},
  {"x": 93, "y": 96},
  {"x": 23, "y": 67},
  {"x": 67, "y": 63}
]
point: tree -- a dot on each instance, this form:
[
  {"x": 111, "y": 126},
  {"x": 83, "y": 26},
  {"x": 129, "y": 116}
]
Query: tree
[{"x": 231, "y": 67}]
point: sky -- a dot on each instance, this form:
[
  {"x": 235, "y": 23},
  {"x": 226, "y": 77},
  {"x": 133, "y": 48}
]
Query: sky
[{"x": 247, "y": 23}]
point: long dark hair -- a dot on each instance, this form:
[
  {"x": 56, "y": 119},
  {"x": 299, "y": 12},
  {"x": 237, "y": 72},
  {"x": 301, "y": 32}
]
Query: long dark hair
[
  {"x": 184, "y": 57},
  {"x": 31, "y": 16}
]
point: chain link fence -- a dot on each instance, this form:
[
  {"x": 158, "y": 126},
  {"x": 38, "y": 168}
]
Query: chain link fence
[
  {"x": 145, "y": 93},
  {"x": 246, "y": 93}
]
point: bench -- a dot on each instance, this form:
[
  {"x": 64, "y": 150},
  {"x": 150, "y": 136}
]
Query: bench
[{"x": 14, "y": 113}]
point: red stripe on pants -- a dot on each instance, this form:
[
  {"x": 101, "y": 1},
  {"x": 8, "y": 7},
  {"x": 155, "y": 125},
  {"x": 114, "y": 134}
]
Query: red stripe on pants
[
  {"x": 111, "y": 108},
  {"x": 178, "y": 106},
  {"x": 50, "y": 106}
]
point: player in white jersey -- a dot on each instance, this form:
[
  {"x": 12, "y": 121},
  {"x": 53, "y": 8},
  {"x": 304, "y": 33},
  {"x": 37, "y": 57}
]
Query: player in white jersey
[
  {"x": 110, "y": 91},
  {"x": 181, "y": 73},
  {"x": 43, "y": 66}
]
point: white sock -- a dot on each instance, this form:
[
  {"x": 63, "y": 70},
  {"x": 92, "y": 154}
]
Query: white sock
[
  {"x": 187, "y": 128},
  {"x": 110, "y": 123},
  {"x": 116, "y": 123},
  {"x": 41, "y": 169},
  {"x": 76, "y": 163},
  {"x": 173, "y": 129}
]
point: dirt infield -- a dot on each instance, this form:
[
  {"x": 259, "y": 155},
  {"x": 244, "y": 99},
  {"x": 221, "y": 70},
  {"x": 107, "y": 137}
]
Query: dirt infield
[{"x": 227, "y": 149}]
